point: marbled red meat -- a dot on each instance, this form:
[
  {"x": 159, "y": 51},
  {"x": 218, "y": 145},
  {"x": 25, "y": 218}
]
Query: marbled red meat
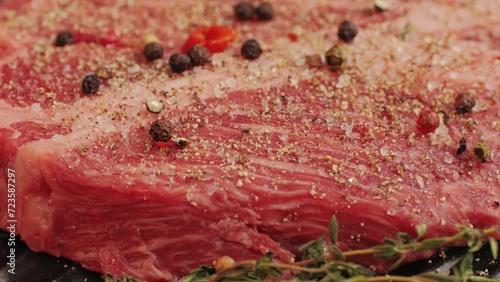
[{"x": 275, "y": 147}]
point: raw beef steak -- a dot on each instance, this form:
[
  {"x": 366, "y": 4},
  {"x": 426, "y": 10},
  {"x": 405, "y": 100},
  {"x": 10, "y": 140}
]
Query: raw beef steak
[{"x": 275, "y": 145}]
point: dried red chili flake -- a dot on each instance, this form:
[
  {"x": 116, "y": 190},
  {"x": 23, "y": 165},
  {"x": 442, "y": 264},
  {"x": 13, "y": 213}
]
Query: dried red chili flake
[
  {"x": 293, "y": 37},
  {"x": 214, "y": 38},
  {"x": 427, "y": 121}
]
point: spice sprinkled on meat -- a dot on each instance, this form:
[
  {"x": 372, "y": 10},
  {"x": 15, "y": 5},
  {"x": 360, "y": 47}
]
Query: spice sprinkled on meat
[
  {"x": 179, "y": 62},
  {"x": 244, "y": 11},
  {"x": 251, "y": 49},
  {"x": 265, "y": 11},
  {"x": 161, "y": 130},
  {"x": 464, "y": 103},
  {"x": 347, "y": 31},
  {"x": 199, "y": 55},
  {"x": 90, "y": 84},
  {"x": 153, "y": 51},
  {"x": 64, "y": 38}
]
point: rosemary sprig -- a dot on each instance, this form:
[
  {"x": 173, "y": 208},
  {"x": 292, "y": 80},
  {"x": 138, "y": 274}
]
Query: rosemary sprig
[{"x": 326, "y": 262}]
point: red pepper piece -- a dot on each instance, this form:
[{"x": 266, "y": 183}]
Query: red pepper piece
[
  {"x": 427, "y": 121},
  {"x": 214, "y": 38}
]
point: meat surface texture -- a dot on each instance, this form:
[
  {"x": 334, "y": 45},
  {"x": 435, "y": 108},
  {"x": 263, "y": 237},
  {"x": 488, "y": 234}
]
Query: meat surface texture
[{"x": 275, "y": 146}]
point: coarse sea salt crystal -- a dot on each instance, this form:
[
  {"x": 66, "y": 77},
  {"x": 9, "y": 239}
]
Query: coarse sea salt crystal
[
  {"x": 134, "y": 69},
  {"x": 420, "y": 181},
  {"x": 344, "y": 80},
  {"x": 384, "y": 151},
  {"x": 36, "y": 107},
  {"x": 448, "y": 158}
]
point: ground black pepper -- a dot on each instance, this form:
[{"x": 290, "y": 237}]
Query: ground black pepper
[
  {"x": 347, "y": 31},
  {"x": 251, "y": 49},
  {"x": 462, "y": 145},
  {"x": 244, "y": 11},
  {"x": 179, "y": 62},
  {"x": 199, "y": 55},
  {"x": 265, "y": 11},
  {"x": 64, "y": 38},
  {"x": 153, "y": 51},
  {"x": 161, "y": 130},
  {"x": 464, "y": 103},
  {"x": 90, "y": 84}
]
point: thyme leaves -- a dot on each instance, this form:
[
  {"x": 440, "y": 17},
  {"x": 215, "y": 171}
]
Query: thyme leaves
[{"x": 324, "y": 261}]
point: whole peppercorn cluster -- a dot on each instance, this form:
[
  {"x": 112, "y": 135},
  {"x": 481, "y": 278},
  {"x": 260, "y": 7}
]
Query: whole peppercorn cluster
[
  {"x": 197, "y": 55},
  {"x": 245, "y": 11}
]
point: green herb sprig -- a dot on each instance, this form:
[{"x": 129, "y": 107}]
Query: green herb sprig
[{"x": 323, "y": 261}]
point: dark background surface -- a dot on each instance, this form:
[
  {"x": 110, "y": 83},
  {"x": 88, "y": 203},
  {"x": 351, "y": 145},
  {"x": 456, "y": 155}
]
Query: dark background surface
[{"x": 41, "y": 267}]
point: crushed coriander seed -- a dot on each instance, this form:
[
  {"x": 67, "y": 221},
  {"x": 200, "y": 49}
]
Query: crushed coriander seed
[
  {"x": 314, "y": 61},
  {"x": 104, "y": 73},
  {"x": 381, "y": 5},
  {"x": 482, "y": 151},
  {"x": 154, "y": 106},
  {"x": 336, "y": 56}
]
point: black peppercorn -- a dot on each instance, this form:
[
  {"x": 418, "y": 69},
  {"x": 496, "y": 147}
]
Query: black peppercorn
[
  {"x": 347, "y": 31},
  {"x": 265, "y": 11},
  {"x": 161, "y": 130},
  {"x": 90, "y": 84},
  {"x": 251, "y": 49},
  {"x": 153, "y": 51},
  {"x": 179, "y": 62},
  {"x": 199, "y": 55},
  {"x": 64, "y": 38},
  {"x": 244, "y": 11},
  {"x": 464, "y": 103}
]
